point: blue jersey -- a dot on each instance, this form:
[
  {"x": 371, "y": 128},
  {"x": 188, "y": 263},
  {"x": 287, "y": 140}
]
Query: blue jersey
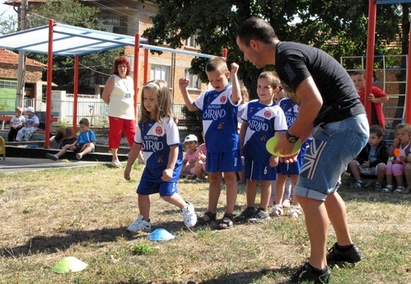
[
  {"x": 156, "y": 139},
  {"x": 219, "y": 120},
  {"x": 86, "y": 137},
  {"x": 263, "y": 121},
  {"x": 290, "y": 110}
]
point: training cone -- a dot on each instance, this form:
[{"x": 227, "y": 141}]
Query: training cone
[
  {"x": 68, "y": 264},
  {"x": 160, "y": 235}
]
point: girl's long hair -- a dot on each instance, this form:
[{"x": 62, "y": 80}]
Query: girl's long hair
[{"x": 164, "y": 107}]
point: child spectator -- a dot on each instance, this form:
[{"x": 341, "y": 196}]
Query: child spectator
[
  {"x": 62, "y": 138},
  {"x": 16, "y": 123},
  {"x": 31, "y": 124},
  {"x": 372, "y": 159},
  {"x": 377, "y": 98},
  {"x": 261, "y": 120},
  {"x": 288, "y": 170},
  {"x": 84, "y": 144},
  {"x": 157, "y": 136},
  {"x": 400, "y": 151},
  {"x": 190, "y": 158},
  {"x": 200, "y": 164},
  {"x": 219, "y": 113}
]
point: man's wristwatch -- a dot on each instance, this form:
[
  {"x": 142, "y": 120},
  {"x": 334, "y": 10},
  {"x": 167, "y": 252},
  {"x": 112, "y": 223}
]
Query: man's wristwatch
[{"x": 291, "y": 139}]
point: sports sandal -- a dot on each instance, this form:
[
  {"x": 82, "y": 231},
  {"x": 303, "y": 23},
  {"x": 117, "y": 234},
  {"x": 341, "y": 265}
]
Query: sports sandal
[
  {"x": 226, "y": 222},
  {"x": 202, "y": 222}
]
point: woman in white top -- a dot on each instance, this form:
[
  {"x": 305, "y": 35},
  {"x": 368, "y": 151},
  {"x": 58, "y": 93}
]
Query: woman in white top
[{"x": 119, "y": 95}]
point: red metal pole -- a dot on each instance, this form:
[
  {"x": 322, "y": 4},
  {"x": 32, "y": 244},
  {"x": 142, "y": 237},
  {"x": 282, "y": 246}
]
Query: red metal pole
[
  {"x": 408, "y": 92},
  {"x": 369, "y": 65},
  {"x": 225, "y": 53},
  {"x": 49, "y": 82},
  {"x": 145, "y": 66},
  {"x": 75, "y": 92},
  {"x": 136, "y": 72}
]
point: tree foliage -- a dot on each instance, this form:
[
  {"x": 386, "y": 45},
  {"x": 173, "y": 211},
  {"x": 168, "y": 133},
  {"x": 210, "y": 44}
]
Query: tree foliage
[
  {"x": 73, "y": 13},
  {"x": 8, "y": 24},
  {"x": 336, "y": 26}
]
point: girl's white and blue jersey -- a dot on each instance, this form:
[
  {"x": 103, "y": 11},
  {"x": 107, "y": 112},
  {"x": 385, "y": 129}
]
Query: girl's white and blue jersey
[
  {"x": 156, "y": 139},
  {"x": 219, "y": 115},
  {"x": 263, "y": 121}
]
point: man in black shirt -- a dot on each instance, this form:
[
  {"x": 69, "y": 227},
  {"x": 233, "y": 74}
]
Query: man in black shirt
[{"x": 330, "y": 111}]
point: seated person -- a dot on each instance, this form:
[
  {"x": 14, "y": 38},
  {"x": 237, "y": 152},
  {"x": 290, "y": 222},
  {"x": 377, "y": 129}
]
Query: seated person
[
  {"x": 372, "y": 159},
  {"x": 200, "y": 164},
  {"x": 16, "y": 123},
  {"x": 190, "y": 158},
  {"x": 84, "y": 144},
  {"x": 62, "y": 138},
  {"x": 31, "y": 124}
]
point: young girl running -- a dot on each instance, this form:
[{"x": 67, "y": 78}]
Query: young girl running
[{"x": 157, "y": 136}]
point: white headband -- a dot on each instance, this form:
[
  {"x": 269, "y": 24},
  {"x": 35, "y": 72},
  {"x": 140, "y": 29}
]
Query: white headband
[{"x": 152, "y": 84}]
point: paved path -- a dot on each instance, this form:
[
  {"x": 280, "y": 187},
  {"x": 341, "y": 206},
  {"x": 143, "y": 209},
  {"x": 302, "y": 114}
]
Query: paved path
[{"x": 13, "y": 164}]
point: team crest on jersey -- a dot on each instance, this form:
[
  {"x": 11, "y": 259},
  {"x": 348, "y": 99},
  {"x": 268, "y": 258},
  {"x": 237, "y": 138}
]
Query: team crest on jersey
[
  {"x": 159, "y": 130},
  {"x": 267, "y": 114},
  {"x": 223, "y": 99}
]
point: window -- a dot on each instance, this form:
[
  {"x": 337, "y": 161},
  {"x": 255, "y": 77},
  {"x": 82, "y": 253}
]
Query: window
[
  {"x": 115, "y": 24},
  {"x": 8, "y": 84},
  {"x": 160, "y": 72},
  {"x": 192, "y": 42},
  {"x": 195, "y": 83}
]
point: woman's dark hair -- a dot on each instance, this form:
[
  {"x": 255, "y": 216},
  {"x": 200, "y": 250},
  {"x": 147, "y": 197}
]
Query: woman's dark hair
[{"x": 121, "y": 60}]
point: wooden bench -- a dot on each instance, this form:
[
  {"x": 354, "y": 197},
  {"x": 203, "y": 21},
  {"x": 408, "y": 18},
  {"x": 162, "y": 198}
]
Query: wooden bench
[{"x": 5, "y": 117}]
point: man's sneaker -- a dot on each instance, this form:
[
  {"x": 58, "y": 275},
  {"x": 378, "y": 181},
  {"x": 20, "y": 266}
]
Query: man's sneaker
[
  {"x": 399, "y": 189},
  {"x": 140, "y": 225},
  {"x": 377, "y": 187},
  {"x": 277, "y": 210},
  {"x": 189, "y": 215},
  {"x": 52, "y": 156},
  {"x": 245, "y": 215},
  {"x": 259, "y": 216},
  {"x": 353, "y": 255},
  {"x": 79, "y": 156},
  {"x": 306, "y": 274},
  {"x": 294, "y": 211},
  {"x": 190, "y": 177}
]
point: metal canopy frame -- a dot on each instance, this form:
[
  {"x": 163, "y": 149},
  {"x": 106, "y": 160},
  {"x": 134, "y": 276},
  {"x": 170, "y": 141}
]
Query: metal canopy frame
[{"x": 67, "y": 40}]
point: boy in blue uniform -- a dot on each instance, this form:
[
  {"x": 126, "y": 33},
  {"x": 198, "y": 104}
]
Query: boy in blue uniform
[
  {"x": 219, "y": 113},
  {"x": 261, "y": 119}
]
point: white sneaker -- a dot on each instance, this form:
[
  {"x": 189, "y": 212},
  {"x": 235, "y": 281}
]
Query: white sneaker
[
  {"x": 277, "y": 210},
  {"x": 140, "y": 225},
  {"x": 388, "y": 188},
  {"x": 79, "y": 156},
  {"x": 399, "y": 189},
  {"x": 286, "y": 203},
  {"x": 116, "y": 164},
  {"x": 189, "y": 215},
  {"x": 294, "y": 211}
]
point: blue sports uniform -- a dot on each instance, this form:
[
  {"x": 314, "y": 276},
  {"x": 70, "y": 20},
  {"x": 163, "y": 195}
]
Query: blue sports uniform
[
  {"x": 220, "y": 130},
  {"x": 156, "y": 139},
  {"x": 263, "y": 121},
  {"x": 290, "y": 111}
]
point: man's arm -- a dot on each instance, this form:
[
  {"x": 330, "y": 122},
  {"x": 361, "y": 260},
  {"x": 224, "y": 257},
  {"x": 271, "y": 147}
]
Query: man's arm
[{"x": 236, "y": 93}]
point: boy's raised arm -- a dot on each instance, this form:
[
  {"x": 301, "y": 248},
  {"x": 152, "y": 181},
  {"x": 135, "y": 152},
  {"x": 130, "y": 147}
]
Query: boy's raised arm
[{"x": 183, "y": 84}]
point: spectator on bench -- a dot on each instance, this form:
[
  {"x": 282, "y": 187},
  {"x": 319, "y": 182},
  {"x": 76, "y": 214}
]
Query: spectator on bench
[
  {"x": 16, "y": 123},
  {"x": 84, "y": 144},
  {"x": 31, "y": 124}
]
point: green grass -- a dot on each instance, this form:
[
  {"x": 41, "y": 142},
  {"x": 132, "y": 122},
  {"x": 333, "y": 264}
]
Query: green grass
[{"x": 84, "y": 212}]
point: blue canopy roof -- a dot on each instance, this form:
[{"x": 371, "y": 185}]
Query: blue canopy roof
[{"x": 67, "y": 40}]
